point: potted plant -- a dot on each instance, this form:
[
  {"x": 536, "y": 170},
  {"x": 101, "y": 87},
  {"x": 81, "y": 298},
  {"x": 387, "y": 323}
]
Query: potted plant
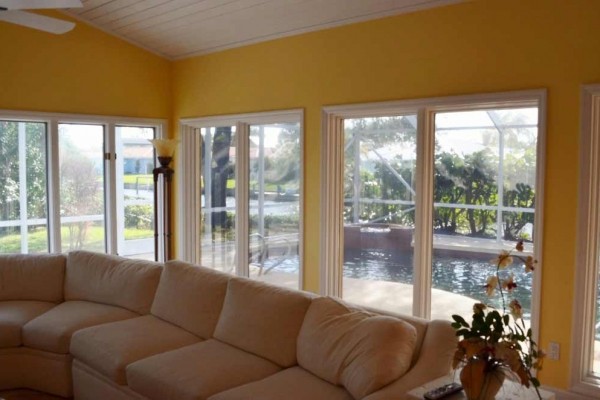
[{"x": 497, "y": 343}]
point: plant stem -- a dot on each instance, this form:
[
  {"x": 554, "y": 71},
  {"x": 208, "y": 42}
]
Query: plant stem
[{"x": 500, "y": 287}]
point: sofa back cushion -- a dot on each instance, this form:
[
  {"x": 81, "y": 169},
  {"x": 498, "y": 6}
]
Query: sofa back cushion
[
  {"x": 350, "y": 347},
  {"x": 420, "y": 324},
  {"x": 111, "y": 280},
  {"x": 190, "y": 297},
  {"x": 263, "y": 319},
  {"x": 37, "y": 277}
]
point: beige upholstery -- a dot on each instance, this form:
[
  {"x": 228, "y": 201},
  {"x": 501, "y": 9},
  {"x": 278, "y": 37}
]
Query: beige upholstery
[
  {"x": 190, "y": 297},
  {"x": 262, "y": 319},
  {"x": 24, "y": 277},
  {"x": 111, "y": 280},
  {"x": 15, "y": 314},
  {"x": 290, "y": 384},
  {"x": 196, "y": 372},
  {"x": 434, "y": 361},
  {"x": 89, "y": 384},
  {"x": 21, "y": 367},
  {"x": 350, "y": 347},
  {"x": 52, "y": 331},
  {"x": 420, "y": 324},
  {"x": 109, "y": 348}
]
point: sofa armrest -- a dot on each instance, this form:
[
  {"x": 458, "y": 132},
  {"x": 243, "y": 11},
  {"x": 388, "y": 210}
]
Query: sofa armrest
[{"x": 435, "y": 360}]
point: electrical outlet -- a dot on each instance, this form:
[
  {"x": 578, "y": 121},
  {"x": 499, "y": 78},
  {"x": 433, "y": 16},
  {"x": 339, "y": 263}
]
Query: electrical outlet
[{"x": 553, "y": 351}]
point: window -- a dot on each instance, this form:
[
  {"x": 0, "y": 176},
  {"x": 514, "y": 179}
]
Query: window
[
  {"x": 585, "y": 375},
  {"x": 76, "y": 182},
  {"x": 23, "y": 195},
  {"x": 420, "y": 195},
  {"x": 242, "y": 195}
]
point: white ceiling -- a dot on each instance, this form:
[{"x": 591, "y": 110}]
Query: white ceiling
[{"x": 178, "y": 29}]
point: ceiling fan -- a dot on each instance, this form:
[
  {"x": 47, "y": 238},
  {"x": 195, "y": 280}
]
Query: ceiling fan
[{"x": 10, "y": 11}]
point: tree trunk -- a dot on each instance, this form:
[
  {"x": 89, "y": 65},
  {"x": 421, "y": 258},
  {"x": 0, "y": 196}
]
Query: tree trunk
[{"x": 220, "y": 172}]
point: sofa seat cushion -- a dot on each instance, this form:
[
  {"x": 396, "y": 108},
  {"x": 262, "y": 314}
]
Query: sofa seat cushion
[
  {"x": 290, "y": 384},
  {"x": 52, "y": 331},
  {"x": 15, "y": 314},
  {"x": 262, "y": 319},
  {"x": 190, "y": 297},
  {"x": 351, "y": 347},
  {"x": 109, "y": 348},
  {"x": 196, "y": 372}
]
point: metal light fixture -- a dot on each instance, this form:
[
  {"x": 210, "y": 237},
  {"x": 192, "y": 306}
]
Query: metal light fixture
[{"x": 163, "y": 179}]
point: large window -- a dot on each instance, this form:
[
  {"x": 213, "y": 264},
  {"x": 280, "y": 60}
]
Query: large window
[
  {"x": 241, "y": 195},
  {"x": 585, "y": 375},
  {"x": 75, "y": 182},
  {"x": 430, "y": 191}
]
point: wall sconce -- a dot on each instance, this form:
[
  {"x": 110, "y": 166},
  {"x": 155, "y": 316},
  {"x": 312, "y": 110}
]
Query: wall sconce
[{"x": 163, "y": 179}]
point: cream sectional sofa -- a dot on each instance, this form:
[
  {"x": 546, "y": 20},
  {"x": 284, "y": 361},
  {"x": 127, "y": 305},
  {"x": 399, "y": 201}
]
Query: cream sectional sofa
[{"x": 94, "y": 326}]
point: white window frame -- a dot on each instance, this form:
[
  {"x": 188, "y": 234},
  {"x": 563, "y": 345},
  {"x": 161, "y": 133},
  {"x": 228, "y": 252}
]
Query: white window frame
[
  {"x": 332, "y": 181},
  {"x": 588, "y": 247},
  {"x": 189, "y": 189},
  {"x": 109, "y": 124}
]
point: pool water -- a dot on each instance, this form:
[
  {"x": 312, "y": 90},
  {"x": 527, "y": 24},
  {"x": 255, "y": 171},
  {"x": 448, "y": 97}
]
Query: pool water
[{"x": 457, "y": 275}]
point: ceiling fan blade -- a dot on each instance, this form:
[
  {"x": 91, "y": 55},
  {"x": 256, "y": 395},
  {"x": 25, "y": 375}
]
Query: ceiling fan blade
[
  {"x": 37, "y": 4},
  {"x": 36, "y": 21}
]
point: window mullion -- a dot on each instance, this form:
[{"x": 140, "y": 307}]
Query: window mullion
[
  {"x": 424, "y": 214},
  {"x": 53, "y": 189},
  {"x": 242, "y": 198},
  {"x": 110, "y": 179}
]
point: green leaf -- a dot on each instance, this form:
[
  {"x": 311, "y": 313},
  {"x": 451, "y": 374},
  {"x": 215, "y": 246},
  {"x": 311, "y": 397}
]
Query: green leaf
[
  {"x": 535, "y": 382},
  {"x": 460, "y": 320}
]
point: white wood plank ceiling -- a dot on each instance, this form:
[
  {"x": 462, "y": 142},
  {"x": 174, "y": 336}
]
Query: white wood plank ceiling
[{"x": 178, "y": 29}]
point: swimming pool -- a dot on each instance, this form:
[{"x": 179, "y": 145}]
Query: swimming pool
[{"x": 457, "y": 275}]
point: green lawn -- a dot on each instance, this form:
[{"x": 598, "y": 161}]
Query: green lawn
[
  {"x": 135, "y": 178},
  {"x": 94, "y": 239}
]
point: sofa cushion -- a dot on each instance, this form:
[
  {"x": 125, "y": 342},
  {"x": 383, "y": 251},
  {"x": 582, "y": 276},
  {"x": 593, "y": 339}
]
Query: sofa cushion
[
  {"x": 196, "y": 372},
  {"x": 262, "y": 319},
  {"x": 290, "y": 384},
  {"x": 351, "y": 347},
  {"x": 190, "y": 297},
  {"x": 111, "y": 280},
  {"x": 32, "y": 277},
  {"x": 15, "y": 314},
  {"x": 52, "y": 331},
  {"x": 109, "y": 348}
]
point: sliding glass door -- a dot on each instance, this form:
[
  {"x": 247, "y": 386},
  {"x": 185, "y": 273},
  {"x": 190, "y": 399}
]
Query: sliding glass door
[{"x": 242, "y": 195}]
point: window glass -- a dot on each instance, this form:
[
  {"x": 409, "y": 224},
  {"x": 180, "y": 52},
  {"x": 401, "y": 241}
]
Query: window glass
[
  {"x": 484, "y": 202},
  {"x": 379, "y": 211},
  {"x": 135, "y": 192},
  {"x": 274, "y": 203},
  {"x": 23, "y": 207},
  {"x": 218, "y": 205},
  {"x": 81, "y": 157}
]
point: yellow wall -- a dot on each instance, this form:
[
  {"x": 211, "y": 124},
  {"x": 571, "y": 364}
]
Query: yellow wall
[
  {"x": 85, "y": 71},
  {"x": 482, "y": 46}
]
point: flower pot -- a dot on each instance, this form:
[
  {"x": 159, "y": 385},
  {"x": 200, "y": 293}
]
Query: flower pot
[{"x": 480, "y": 380}]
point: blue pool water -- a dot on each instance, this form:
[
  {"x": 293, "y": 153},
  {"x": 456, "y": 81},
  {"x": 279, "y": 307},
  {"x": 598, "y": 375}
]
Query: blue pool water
[{"x": 457, "y": 275}]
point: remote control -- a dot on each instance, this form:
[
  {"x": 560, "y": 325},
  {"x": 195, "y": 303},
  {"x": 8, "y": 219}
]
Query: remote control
[{"x": 443, "y": 391}]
